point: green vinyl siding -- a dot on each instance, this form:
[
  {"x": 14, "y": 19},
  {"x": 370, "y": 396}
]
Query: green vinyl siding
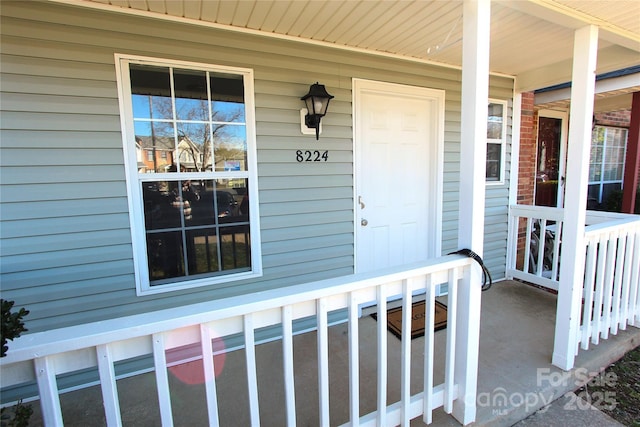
[{"x": 65, "y": 237}]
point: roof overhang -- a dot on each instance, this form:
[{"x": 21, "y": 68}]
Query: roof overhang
[{"x": 531, "y": 40}]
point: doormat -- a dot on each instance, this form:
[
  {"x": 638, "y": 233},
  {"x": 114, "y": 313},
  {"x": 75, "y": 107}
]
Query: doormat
[{"x": 394, "y": 319}]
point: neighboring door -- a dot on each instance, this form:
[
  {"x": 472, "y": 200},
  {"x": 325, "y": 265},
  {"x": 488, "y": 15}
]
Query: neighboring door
[
  {"x": 399, "y": 133},
  {"x": 551, "y": 159}
]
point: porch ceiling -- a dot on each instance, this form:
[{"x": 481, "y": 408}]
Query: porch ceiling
[{"x": 530, "y": 39}]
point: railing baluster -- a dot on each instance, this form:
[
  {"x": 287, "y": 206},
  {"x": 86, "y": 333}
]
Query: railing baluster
[
  {"x": 617, "y": 285},
  {"x": 556, "y": 251},
  {"x": 626, "y": 281},
  {"x": 599, "y": 296},
  {"x": 208, "y": 365},
  {"x": 287, "y": 356},
  {"x": 405, "y": 368},
  {"x": 323, "y": 360},
  {"x": 382, "y": 356},
  {"x": 48, "y": 388},
  {"x": 634, "y": 300},
  {"x": 542, "y": 240},
  {"x": 108, "y": 385},
  {"x": 452, "y": 304},
  {"x": 252, "y": 376},
  {"x": 429, "y": 335},
  {"x": 527, "y": 246},
  {"x": 608, "y": 287},
  {"x": 590, "y": 265},
  {"x": 162, "y": 380},
  {"x": 354, "y": 361}
]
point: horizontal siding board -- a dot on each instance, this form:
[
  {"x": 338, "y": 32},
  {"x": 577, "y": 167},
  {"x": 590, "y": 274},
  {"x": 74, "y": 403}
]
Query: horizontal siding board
[
  {"x": 80, "y": 223},
  {"x": 306, "y": 207},
  {"x": 303, "y": 142},
  {"x": 35, "y": 278},
  {"x": 67, "y": 290},
  {"x": 60, "y": 121},
  {"x": 284, "y": 234},
  {"x": 62, "y": 208},
  {"x": 61, "y": 242},
  {"x": 299, "y": 194},
  {"x": 283, "y": 182},
  {"x": 43, "y": 174},
  {"x": 62, "y": 147},
  {"x": 62, "y": 191},
  {"x": 304, "y": 219},
  {"x": 17, "y": 83},
  {"x": 64, "y": 157},
  {"x": 38, "y": 66},
  {"x": 12, "y": 101},
  {"x": 305, "y": 256},
  {"x": 46, "y": 260},
  {"x": 64, "y": 139},
  {"x": 286, "y": 247}
]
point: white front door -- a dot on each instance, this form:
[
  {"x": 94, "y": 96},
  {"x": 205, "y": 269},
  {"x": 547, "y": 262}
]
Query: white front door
[{"x": 399, "y": 133}]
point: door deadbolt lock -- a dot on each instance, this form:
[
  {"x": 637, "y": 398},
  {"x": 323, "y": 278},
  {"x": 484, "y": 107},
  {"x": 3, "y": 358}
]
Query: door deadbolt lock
[{"x": 364, "y": 222}]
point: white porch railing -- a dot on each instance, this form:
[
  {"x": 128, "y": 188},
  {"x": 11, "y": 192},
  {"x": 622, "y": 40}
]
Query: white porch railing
[
  {"x": 610, "y": 296},
  {"x": 42, "y": 356},
  {"x": 534, "y": 244}
]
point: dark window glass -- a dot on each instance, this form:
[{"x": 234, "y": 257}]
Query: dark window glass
[
  {"x": 494, "y": 156},
  {"x": 196, "y": 227}
]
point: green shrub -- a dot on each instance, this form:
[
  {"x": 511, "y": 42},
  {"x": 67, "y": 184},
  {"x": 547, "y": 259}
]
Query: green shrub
[{"x": 11, "y": 327}]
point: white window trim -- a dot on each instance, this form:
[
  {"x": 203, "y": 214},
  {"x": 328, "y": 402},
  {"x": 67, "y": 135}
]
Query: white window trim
[
  {"x": 134, "y": 193},
  {"x": 602, "y": 182},
  {"x": 502, "y": 141}
]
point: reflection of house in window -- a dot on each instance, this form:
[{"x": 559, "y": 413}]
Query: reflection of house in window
[
  {"x": 606, "y": 163},
  {"x": 156, "y": 153},
  {"x": 189, "y": 156}
]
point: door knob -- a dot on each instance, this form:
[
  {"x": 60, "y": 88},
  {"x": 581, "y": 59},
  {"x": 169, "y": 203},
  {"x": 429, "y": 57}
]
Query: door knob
[{"x": 364, "y": 222}]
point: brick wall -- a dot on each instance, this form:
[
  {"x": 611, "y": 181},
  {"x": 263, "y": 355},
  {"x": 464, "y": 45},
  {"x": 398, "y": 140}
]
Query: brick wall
[
  {"x": 528, "y": 151},
  {"x": 527, "y": 165},
  {"x": 614, "y": 118}
]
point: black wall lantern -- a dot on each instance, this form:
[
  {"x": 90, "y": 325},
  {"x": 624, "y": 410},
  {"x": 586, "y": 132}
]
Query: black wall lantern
[{"x": 317, "y": 101}]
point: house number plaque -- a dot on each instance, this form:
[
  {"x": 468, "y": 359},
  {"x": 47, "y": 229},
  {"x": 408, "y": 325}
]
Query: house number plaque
[{"x": 312, "y": 156}]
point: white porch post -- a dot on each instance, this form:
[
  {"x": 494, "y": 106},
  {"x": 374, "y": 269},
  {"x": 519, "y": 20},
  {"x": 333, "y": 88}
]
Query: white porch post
[
  {"x": 473, "y": 152},
  {"x": 573, "y": 249}
]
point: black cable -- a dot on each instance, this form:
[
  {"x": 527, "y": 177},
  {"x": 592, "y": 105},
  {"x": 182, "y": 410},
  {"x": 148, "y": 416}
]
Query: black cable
[{"x": 485, "y": 272}]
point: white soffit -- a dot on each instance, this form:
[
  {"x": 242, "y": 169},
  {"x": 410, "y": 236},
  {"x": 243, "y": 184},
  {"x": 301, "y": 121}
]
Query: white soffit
[{"x": 531, "y": 40}]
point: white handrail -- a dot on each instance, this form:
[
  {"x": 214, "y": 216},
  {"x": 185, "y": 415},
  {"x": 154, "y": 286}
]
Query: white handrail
[{"x": 102, "y": 344}]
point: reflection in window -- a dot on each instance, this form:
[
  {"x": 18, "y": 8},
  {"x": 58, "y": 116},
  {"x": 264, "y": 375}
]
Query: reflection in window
[
  {"x": 496, "y": 136},
  {"x": 196, "y": 227},
  {"x": 200, "y": 118},
  {"x": 606, "y": 162}
]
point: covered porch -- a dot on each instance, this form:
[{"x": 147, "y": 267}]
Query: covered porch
[{"x": 515, "y": 374}]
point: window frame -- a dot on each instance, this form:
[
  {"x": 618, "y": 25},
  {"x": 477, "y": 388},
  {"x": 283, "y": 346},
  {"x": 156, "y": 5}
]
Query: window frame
[
  {"x": 134, "y": 180},
  {"x": 603, "y": 160},
  {"x": 502, "y": 141}
]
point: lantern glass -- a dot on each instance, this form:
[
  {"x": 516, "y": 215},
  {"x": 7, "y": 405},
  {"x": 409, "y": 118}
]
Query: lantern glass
[{"x": 317, "y": 102}]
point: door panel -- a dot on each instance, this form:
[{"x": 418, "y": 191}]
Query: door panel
[
  {"x": 550, "y": 164},
  {"x": 396, "y": 145}
]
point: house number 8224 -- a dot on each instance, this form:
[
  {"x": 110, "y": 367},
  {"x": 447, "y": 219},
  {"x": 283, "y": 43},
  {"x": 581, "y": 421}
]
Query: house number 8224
[{"x": 312, "y": 156}]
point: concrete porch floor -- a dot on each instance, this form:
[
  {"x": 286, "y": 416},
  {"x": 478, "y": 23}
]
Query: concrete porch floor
[{"x": 516, "y": 377}]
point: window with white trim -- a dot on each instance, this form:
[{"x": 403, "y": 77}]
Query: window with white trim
[
  {"x": 606, "y": 162},
  {"x": 193, "y": 203},
  {"x": 496, "y": 141}
]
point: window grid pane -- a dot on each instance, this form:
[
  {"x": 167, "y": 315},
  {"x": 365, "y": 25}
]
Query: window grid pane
[{"x": 606, "y": 166}]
